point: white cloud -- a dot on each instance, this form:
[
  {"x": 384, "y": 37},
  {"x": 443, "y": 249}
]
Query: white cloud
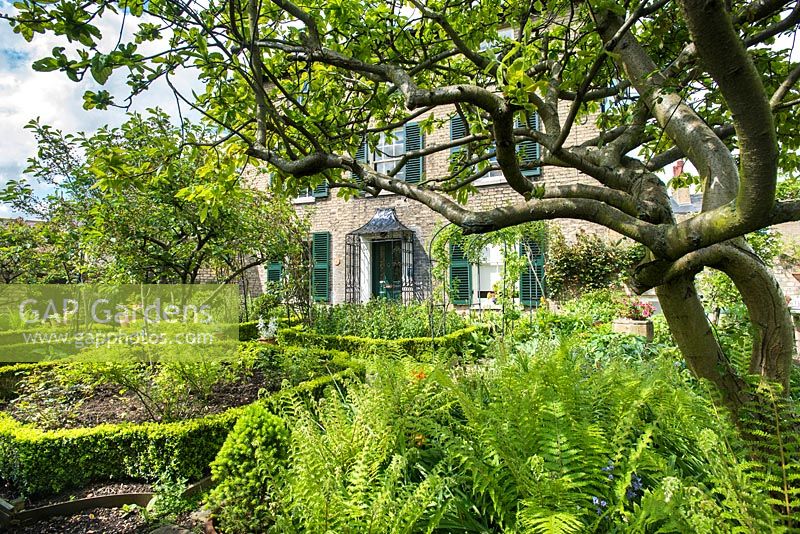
[{"x": 58, "y": 101}]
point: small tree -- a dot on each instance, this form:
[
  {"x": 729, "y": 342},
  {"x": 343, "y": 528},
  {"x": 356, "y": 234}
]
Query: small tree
[
  {"x": 133, "y": 200},
  {"x": 21, "y": 248}
]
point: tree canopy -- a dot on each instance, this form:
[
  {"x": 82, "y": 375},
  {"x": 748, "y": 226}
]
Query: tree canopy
[
  {"x": 300, "y": 86},
  {"x": 126, "y": 206}
]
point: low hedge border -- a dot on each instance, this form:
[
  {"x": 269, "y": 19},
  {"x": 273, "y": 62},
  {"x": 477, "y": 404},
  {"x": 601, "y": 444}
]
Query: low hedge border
[
  {"x": 42, "y": 462},
  {"x": 419, "y": 348}
]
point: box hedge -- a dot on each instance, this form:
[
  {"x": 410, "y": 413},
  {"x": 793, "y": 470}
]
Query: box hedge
[
  {"x": 462, "y": 344},
  {"x": 42, "y": 462}
]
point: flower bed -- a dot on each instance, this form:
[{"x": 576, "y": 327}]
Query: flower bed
[{"x": 39, "y": 462}]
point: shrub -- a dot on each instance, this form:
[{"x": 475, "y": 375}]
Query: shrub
[
  {"x": 587, "y": 264},
  {"x": 596, "y": 306},
  {"x": 544, "y": 441},
  {"x": 383, "y": 319},
  {"x": 245, "y": 496},
  {"x": 461, "y": 345},
  {"x": 43, "y": 462}
]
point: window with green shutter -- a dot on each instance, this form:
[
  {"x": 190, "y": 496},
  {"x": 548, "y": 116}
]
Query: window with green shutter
[
  {"x": 458, "y": 130},
  {"x": 531, "y": 282},
  {"x": 413, "y": 168},
  {"x": 274, "y": 270},
  {"x": 460, "y": 276},
  {"x": 321, "y": 266},
  {"x": 360, "y": 157},
  {"x": 529, "y": 151},
  {"x": 321, "y": 191}
]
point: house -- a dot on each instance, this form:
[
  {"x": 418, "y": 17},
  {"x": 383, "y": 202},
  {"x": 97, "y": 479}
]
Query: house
[{"x": 379, "y": 246}]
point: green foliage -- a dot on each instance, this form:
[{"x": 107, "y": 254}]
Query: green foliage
[
  {"x": 589, "y": 263},
  {"x": 598, "y": 305},
  {"x": 462, "y": 345},
  {"x": 21, "y": 252},
  {"x": 168, "y": 501},
  {"x": 47, "y": 461},
  {"x": 577, "y": 315},
  {"x": 384, "y": 319},
  {"x": 717, "y": 290},
  {"x": 547, "y": 440},
  {"x": 269, "y": 304},
  {"x": 137, "y": 204},
  {"x": 43, "y": 462},
  {"x": 244, "y": 469}
]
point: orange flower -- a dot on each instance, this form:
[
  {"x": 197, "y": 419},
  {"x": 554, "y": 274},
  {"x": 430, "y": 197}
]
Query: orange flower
[{"x": 418, "y": 375}]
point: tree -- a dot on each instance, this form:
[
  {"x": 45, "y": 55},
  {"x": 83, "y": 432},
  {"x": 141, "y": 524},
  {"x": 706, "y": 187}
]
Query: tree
[
  {"x": 300, "y": 86},
  {"x": 20, "y": 251},
  {"x": 133, "y": 196}
]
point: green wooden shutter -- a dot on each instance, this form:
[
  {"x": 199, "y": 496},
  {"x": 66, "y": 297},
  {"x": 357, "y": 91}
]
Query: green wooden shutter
[
  {"x": 458, "y": 130},
  {"x": 274, "y": 269},
  {"x": 321, "y": 191},
  {"x": 413, "y": 169},
  {"x": 460, "y": 276},
  {"x": 529, "y": 151},
  {"x": 321, "y": 266},
  {"x": 361, "y": 157},
  {"x": 531, "y": 282}
]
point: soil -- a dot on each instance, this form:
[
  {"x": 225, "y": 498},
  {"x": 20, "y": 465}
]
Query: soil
[
  {"x": 107, "y": 403},
  {"x": 97, "y": 520}
]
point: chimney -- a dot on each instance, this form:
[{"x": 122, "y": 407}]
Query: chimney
[{"x": 681, "y": 195}]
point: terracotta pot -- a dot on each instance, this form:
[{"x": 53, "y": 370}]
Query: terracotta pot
[
  {"x": 268, "y": 340},
  {"x": 637, "y": 327}
]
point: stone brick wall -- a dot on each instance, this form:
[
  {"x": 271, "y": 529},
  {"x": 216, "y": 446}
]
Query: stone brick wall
[
  {"x": 251, "y": 282},
  {"x": 340, "y": 217}
]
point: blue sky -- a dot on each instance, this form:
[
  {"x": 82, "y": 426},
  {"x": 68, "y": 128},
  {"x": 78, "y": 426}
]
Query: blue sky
[{"x": 53, "y": 98}]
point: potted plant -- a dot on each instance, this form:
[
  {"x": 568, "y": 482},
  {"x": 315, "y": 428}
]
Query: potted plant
[
  {"x": 635, "y": 318},
  {"x": 267, "y": 332}
]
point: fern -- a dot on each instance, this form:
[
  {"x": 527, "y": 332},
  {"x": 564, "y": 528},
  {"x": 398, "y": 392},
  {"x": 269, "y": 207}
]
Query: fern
[
  {"x": 771, "y": 429},
  {"x": 544, "y": 439}
]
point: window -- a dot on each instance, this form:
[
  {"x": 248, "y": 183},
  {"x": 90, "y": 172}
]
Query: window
[
  {"x": 321, "y": 268},
  {"x": 388, "y": 152},
  {"x": 460, "y": 276},
  {"x": 502, "y": 33},
  {"x": 390, "y": 149},
  {"x": 274, "y": 271},
  {"x": 489, "y": 274},
  {"x": 528, "y": 150},
  {"x": 532, "y": 279}
]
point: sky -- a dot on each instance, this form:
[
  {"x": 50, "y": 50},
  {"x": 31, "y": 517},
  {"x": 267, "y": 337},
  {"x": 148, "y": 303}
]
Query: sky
[{"x": 26, "y": 94}]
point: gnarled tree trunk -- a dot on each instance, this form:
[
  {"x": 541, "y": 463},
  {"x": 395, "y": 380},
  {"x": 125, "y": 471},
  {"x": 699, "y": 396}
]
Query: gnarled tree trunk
[{"x": 773, "y": 330}]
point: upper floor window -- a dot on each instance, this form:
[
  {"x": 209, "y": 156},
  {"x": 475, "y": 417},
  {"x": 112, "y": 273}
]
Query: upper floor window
[
  {"x": 391, "y": 148},
  {"x": 388, "y": 152}
]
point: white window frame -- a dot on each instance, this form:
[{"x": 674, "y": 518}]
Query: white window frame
[
  {"x": 390, "y": 149},
  {"x": 491, "y": 258},
  {"x": 307, "y": 198}
]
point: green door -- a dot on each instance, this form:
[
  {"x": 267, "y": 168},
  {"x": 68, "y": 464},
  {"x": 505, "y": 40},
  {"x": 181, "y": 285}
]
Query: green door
[{"x": 387, "y": 269}]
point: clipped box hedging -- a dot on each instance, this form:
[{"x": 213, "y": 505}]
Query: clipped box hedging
[
  {"x": 460, "y": 344},
  {"x": 248, "y": 331},
  {"x": 42, "y": 462}
]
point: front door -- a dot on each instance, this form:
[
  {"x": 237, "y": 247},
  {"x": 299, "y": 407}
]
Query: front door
[{"x": 387, "y": 269}]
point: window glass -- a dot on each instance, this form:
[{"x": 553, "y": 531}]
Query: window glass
[
  {"x": 489, "y": 273},
  {"x": 388, "y": 152}
]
